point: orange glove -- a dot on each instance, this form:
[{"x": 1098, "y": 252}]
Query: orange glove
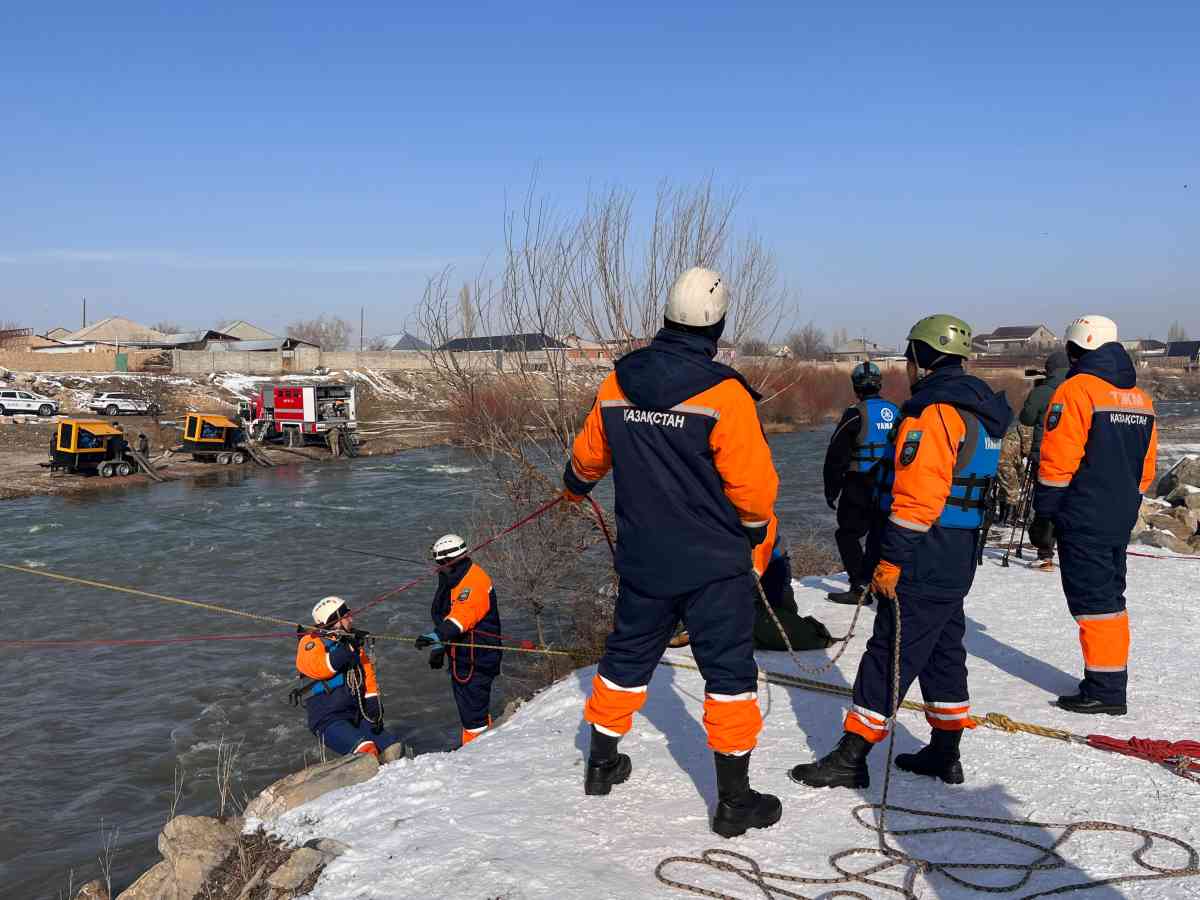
[
  {"x": 884, "y": 581},
  {"x": 571, "y": 497}
]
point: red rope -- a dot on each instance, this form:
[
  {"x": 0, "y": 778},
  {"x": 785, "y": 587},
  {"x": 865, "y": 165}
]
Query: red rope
[
  {"x": 1129, "y": 552},
  {"x": 434, "y": 571},
  {"x": 1182, "y": 756},
  {"x": 140, "y": 642},
  {"x": 603, "y": 525}
]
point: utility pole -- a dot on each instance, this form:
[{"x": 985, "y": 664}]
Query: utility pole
[
  {"x": 362, "y": 313},
  {"x": 84, "y": 325}
]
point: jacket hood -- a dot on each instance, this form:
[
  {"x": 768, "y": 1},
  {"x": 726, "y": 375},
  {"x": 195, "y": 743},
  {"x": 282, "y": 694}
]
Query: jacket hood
[
  {"x": 1108, "y": 363},
  {"x": 1058, "y": 361},
  {"x": 966, "y": 392},
  {"x": 675, "y": 366},
  {"x": 454, "y": 573}
]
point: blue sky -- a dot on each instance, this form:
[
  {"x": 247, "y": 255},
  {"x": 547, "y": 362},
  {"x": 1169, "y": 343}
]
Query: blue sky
[{"x": 1011, "y": 165}]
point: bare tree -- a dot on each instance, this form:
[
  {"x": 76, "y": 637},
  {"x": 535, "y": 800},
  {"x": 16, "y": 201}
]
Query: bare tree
[
  {"x": 327, "y": 332},
  {"x": 754, "y": 347},
  {"x": 167, "y": 326},
  {"x": 808, "y": 343},
  {"x": 1176, "y": 333},
  {"x": 466, "y": 311}
]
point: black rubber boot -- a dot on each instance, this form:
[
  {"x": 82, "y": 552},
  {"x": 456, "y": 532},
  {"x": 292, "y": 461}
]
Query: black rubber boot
[
  {"x": 739, "y": 806},
  {"x": 939, "y": 759},
  {"x": 606, "y": 766},
  {"x": 844, "y": 766},
  {"x": 1078, "y": 703},
  {"x": 850, "y": 597}
]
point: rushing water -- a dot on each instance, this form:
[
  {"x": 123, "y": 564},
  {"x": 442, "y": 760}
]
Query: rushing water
[{"x": 100, "y": 731}]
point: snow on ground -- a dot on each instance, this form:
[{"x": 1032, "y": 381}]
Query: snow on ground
[{"x": 506, "y": 816}]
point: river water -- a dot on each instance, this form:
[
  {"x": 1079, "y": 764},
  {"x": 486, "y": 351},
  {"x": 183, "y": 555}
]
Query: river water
[{"x": 100, "y": 731}]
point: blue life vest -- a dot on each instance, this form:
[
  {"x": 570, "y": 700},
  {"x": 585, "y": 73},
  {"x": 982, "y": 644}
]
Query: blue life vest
[
  {"x": 971, "y": 484},
  {"x": 879, "y": 417},
  {"x": 329, "y": 685}
]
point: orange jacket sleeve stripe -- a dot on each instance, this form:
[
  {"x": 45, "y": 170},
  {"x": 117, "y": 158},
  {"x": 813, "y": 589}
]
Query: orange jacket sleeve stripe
[
  {"x": 471, "y": 599},
  {"x": 922, "y": 485},
  {"x": 591, "y": 457},
  {"x": 740, "y": 452}
]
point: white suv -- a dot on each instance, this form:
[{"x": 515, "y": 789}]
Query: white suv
[
  {"x": 26, "y": 402},
  {"x": 112, "y": 404}
]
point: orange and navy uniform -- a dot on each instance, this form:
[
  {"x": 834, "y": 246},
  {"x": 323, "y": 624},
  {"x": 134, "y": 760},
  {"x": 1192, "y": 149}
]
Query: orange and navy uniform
[
  {"x": 466, "y": 615},
  {"x": 694, "y": 492},
  {"x": 947, "y": 447},
  {"x": 330, "y": 701},
  {"x": 1099, "y": 444}
]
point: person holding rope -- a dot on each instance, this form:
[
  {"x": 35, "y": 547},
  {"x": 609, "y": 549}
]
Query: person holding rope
[
  {"x": 938, "y": 494},
  {"x": 695, "y": 493},
  {"x": 466, "y": 615},
  {"x": 343, "y": 704},
  {"x": 859, "y": 442},
  {"x": 1097, "y": 459}
]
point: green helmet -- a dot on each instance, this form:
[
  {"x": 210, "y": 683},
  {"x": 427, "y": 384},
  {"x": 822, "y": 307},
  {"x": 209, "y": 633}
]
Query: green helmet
[{"x": 944, "y": 333}]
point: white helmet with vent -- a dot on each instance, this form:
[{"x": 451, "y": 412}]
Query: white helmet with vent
[
  {"x": 698, "y": 297},
  {"x": 329, "y": 609},
  {"x": 1090, "y": 332},
  {"x": 448, "y": 547}
]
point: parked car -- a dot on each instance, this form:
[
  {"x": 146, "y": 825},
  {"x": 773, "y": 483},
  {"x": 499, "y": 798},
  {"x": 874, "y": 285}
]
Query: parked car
[
  {"x": 26, "y": 402},
  {"x": 116, "y": 403}
]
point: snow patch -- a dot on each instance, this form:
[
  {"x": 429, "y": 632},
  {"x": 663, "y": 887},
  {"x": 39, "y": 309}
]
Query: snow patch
[{"x": 506, "y": 815}]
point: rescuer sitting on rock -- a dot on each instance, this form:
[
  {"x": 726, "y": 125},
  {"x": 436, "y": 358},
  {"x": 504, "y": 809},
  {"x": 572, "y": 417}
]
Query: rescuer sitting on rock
[{"x": 343, "y": 704}]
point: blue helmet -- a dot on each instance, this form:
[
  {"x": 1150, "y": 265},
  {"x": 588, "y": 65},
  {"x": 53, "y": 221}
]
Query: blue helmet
[{"x": 866, "y": 378}]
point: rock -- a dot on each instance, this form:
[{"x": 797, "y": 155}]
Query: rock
[
  {"x": 299, "y": 866},
  {"x": 328, "y": 846},
  {"x": 1165, "y": 540},
  {"x": 192, "y": 846},
  {"x": 93, "y": 890},
  {"x": 1186, "y": 471},
  {"x": 1164, "y": 522},
  {"x": 1185, "y": 495},
  {"x": 155, "y": 884},
  {"x": 311, "y": 783}
]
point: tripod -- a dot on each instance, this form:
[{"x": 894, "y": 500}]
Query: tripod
[{"x": 1024, "y": 504}]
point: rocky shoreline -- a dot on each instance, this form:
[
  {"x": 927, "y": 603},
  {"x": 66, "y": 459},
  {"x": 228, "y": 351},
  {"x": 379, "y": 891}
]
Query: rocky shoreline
[{"x": 1171, "y": 520}]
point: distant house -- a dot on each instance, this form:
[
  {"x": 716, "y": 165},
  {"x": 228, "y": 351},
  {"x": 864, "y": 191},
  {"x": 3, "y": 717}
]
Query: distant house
[
  {"x": 859, "y": 350},
  {"x": 57, "y": 334},
  {"x": 399, "y": 341},
  {"x": 726, "y": 352},
  {"x": 505, "y": 343},
  {"x": 113, "y": 330},
  {"x": 265, "y": 346},
  {"x": 1145, "y": 348},
  {"x": 582, "y": 350},
  {"x": 979, "y": 343},
  {"x": 241, "y": 330},
  {"x": 1188, "y": 350},
  {"x": 1017, "y": 339}
]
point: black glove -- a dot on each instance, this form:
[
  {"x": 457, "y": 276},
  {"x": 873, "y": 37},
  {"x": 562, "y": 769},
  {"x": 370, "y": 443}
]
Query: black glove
[
  {"x": 831, "y": 502},
  {"x": 1041, "y": 533},
  {"x": 436, "y": 658},
  {"x": 353, "y": 639},
  {"x": 429, "y": 639}
]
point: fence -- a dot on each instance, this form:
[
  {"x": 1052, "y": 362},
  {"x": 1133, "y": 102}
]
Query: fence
[{"x": 26, "y": 361}]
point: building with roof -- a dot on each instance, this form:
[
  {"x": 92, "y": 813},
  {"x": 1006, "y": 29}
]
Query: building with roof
[
  {"x": 113, "y": 330},
  {"x": 1186, "y": 350},
  {"x": 1145, "y": 347},
  {"x": 57, "y": 334},
  {"x": 399, "y": 341},
  {"x": 859, "y": 350},
  {"x": 1019, "y": 339},
  {"x": 507, "y": 343},
  {"x": 241, "y": 330}
]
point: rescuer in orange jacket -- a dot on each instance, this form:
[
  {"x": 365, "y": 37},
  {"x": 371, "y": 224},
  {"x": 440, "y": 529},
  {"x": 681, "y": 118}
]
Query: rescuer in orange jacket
[
  {"x": 343, "y": 703},
  {"x": 465, "y": 614},
  {"x": 695, "y": 490},
  {"x": 1099, "y": 445},
  {"x": 941, "y": 473}
]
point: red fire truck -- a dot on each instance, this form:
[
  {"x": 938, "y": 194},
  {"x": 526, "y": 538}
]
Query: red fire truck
[{"x": 296, "y": 411}]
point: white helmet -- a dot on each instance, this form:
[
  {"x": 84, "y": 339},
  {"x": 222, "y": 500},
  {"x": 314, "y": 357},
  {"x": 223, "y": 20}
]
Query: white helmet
[
  {"x": 698, "y": 297},
  {"x": 1090, "y": 332},
  {"x": 448, "y": 547},
  {"x": 329, "y": 610}
]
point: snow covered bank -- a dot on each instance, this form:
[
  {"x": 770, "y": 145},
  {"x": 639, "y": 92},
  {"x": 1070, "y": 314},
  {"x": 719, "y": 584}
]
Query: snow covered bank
[{"x": 506, "y": 816}]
